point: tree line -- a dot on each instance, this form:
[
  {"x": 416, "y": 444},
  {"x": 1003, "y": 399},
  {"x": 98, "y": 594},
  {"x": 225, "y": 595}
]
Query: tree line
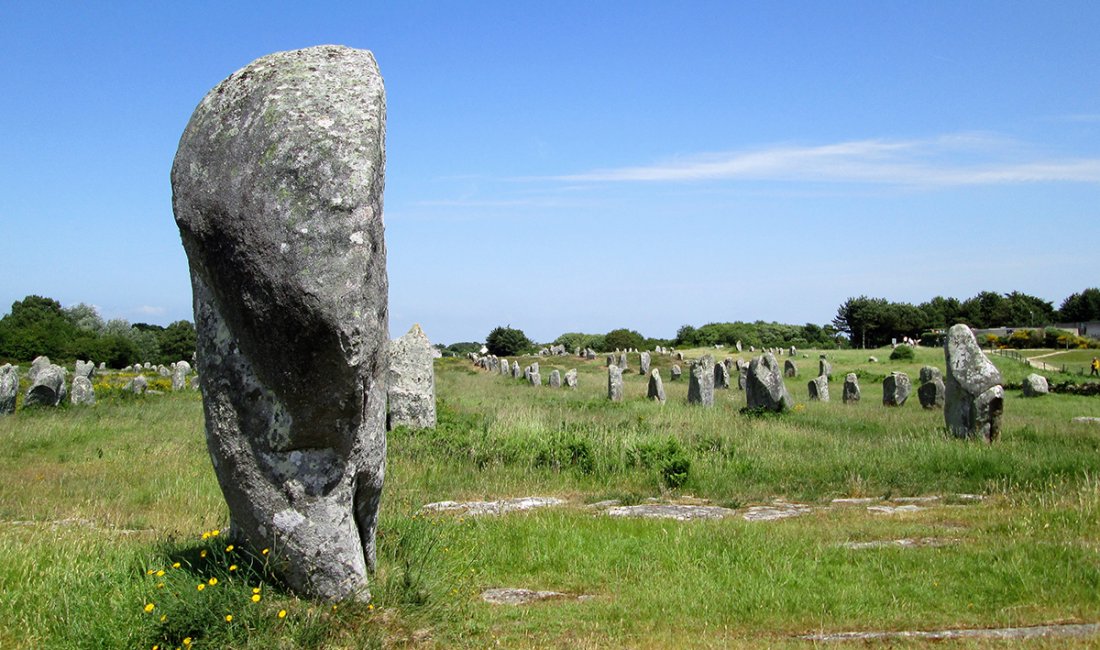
[
  {"x": 873, "y": 322},
  {"x": 41, "y": 326}
]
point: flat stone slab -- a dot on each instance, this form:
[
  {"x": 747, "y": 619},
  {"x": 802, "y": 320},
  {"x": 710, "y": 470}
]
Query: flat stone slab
[
  {"x": 908, "y": 542},
  {"x": 892, "y": 510},
  {"x": 1037, "y": 632},
  {"x": 776, "y": 511},
  {"x": 513, "y": 596},
  {"x": 671, "y": 511},
  {"x": 603, "y": 505},
  {"x": 479, "y": 508},
  {"x": 855, "y": 501},
  {"x": 927, "y": 499},
  {"x": 1086, "y": 420}
]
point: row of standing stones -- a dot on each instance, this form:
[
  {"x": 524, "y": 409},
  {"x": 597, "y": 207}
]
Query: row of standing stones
[{"x": 48, "y": 382}]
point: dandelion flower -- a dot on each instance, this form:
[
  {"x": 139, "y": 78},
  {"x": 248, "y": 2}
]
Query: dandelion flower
[
  {"x": 201, "y": 586},
  {"x": 202, "y": 553},
  {"x": 255, "y": 590},
  {"x": 160, "y": 573},
  {"x": 228, "y": 618},
  {"x": 265, "y": 551},
  {"x": 187, "y": 641},
  {"x": 282, "y": 613},
  {"x": 163, "y": 618},
  {"x": 149, "y": 607},
  {"x": 206, "y": 535},
  {"x": 212, "y": 581},
  {"x": 175, "y": 565},
  {"x": 149, "y": 572},
  {"x": 229, "y": 549},
  {"x": 215, "y": 532},
  {"x": 232, "y": 567},
  {"x": 255, "y": 598},
  {"x": 371, "y": 607},
  {"x": 160, "y": 585}
]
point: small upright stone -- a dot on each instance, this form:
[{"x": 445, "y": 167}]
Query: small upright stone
[
  {"x": 738, "y": 346},
  {"x": 179, "y": 375},
  {"x": 851, "y": 388},
  {"x": 675, "y": 372},
  {"x": 656, "y": 388},
  {"x": 9, "y": 388},
  {"x": 590, "y": 354},
  {"x": 39, "y": 363},
  {"x": 721, "y": 376},
  {"x": 137, "y": 385},
  {"x": 793, "y": 351},
  {"x": 1035, "y": 385},
  {"x": 643, "y": 365},
  {"x": 679, "y": 356},
  {"x": 895, "y": 389},
  {"x": 84, "y": 369},
  {"x": 824, "y": 368},
  {"x": 614, "y": 383},
  {"x": 819, "y": 389},
  {"x": 505, "y": 368},
  {"x": 974, "y": 398},
  {"x": 701, "y": 381},
  {"x": 623, "y": 362},
  {"x": 555, "y": 378},
  {"x": 48, "y": 387},
  {"x": 789, "y": 369},
  {"x": 931, "y": 393},
  {"x": 928, "y": 373},
  {"x": 533, "y": 376},
  {"x": 611, "y": 359},
  {"x": 872, "y": 359},
  {"x": 571, "y": 378},
  {"x": 411, "y": 387},
  {"x": 82, "y": 393},
  {"x": 764, "y": 387},
  {"x": 516, "y": 372}
]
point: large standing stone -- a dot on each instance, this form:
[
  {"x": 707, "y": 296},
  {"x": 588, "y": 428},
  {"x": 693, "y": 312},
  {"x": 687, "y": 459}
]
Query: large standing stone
[
  {"x": 851, "y": 388},
  {"x": 614, "y": 383},
  {"x": 516, "y": 372},
  {"x": 277, "y": 191},
  {"x": 824, "y": 368},
  {"x": 928, "y": 373},
  {"x": 675, "y": 372},
  {"x": 623, "y": 362},
  {"x": 819, "y": 389},
  {"x": 555, "y": 378},
  {"x": 931, "y": 393},
  {"x": 571, "y": 378},
  {"x": 84, "y": 369},
  {"x": 411, "y": 389},
  {"x": 505, "y": 368},
  {"x": 764, "y": 387},
  {"x": 82, "y": 392},
  {"x": 9, "y": 388},
  {"x": 656, "y": 389},
  {"x": 179, "y": 375},
  {"x": 590, "y": 354},
  {"x": 701, "y": 381},
  {"x": 721, "y": 376},
  {"x": 895, "y": 389},
  {"x": 643, "y": 364},
  {"x": 48, "y": 387},
  {"x": 1035, "y": 385},
  {"x": 39, "y": 363},
  {"x": 974, "y": 399},
  {"x": 789, "y": 369},
  {"x": 533, "y": 375}
]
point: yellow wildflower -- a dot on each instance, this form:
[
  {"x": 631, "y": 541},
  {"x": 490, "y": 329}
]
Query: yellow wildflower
[
  {"x": 201, "y": 586},
  {"x": 202, "y": 553},
  {"x": 255, "y": 598},
  {"x": 149, "y": 607},
  {"x": 232, "y": 567},
  {"x": 160, "y": 573},
  {"x": 149, "y": 572},
  {"x": 215, "y": 532},
  {"x": 213, "y": 581},
  {"x": 255, "y": 590},
  {"x": 160, "y": 585},
  {"x": 229, "y": 549},
  {"x": 206, "y": 535},
  {"x": 282, "y": 613},
  {"x": 175, "y": 565},
  {"x": 371, "y": 607},
  {"x": 265, "y": 551},
  {"x": 187, "y": 641},
  {"x": 228, "y": 618},
  {"x": 163, "y": 618}
]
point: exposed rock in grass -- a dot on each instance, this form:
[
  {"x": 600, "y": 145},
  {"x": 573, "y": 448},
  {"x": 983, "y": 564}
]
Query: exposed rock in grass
[
  {"x": 908, "y": 542},
  {"x": 1037, "y": 632},
  {"x": 675, "y": 511},
  {"x": 1086, "y": 420},
  {"x": 892, "y": 510},
  {"x": 515, "y": 596},
  {"x": 778, "y": 510},
  {"x": 479, "y": 508}
]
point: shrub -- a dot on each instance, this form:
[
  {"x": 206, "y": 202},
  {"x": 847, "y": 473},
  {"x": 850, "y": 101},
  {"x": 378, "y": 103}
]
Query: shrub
[
  {"x": 507, "y": 342},
  {"x": 902, "y": 353}
]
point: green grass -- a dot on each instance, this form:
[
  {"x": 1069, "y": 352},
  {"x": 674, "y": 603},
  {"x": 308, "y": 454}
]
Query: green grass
[{"x": 93, "y": 499}]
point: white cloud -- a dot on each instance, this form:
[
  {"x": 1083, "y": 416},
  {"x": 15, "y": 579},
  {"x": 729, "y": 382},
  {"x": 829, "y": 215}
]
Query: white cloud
[
  {"x": 951, "y": 160},
  {"x": 146, "y": 310}
]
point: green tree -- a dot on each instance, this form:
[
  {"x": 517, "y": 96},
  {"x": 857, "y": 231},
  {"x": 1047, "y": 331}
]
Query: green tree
[
  {"x": 623, "y": 339},
  {"x": 1081, "y": 307},
  {"x": 177, "y": 342},
  {"x": 36, "y": 326},
  {"x": 507, "y": 342}
]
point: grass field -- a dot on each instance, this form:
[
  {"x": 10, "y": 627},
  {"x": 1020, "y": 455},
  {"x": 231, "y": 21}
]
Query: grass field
[{"x": 93, "y": 500}]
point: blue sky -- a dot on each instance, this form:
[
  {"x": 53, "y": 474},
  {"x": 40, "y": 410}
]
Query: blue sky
[{"x": 582, "y": 166}]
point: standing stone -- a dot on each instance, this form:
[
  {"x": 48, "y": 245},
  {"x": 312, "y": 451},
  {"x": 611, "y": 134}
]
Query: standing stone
[
  {"x": 411, "y": 387},
  {"x": 179, "y": 375},
  {"x": 571, "y": 378},
  {"x": 931, "y": 393},
  {"x": 764, "y": 387},
  {"x": 84, "y": 369},
  {"x": 675, "y": 373},
  {"x": 82, "y": 393},
  {"x": 851, "y": 388},
  {"x": 656, "y": 388},
  {"x": 533, "y": 375},
  {"x": 614, "y": 383},
  {"x": 895, "y": 389},
  {"x": 644, "y": 363},
  {"x": 163, "y": 371},
  {"x": 611, "y": 359},
  {"x": 9, "y": 388},
  {"x": 824, "y": 368},
  {"x": 752, "y": 348},
  {"x": 1035, "y": 385},
  {"x": 742, "y": 373},
  {"x": 48, "y": 387},
  {"x": 40, "y": 363},
  {"x": 872, "y": 359},
  {"x": 721, "y": 376},
  {"x": 622, "y": 362},
  {"x": 516, "y": 373},
  {"x": 928, "y": 373},
  {"x": 701, "y": 381},
  {"x": 789, "y": 369},
  {"x": 590, "y": 354},
  {"x": 505, "y": 369},
  {"x": 277, "y": 191},
  {"x": 974, "y": 399},
  {"x": 555, "y": 378},
  {"x": 793, "y": 351},
  {"x": 738, "y": 346},
  {"x": 139, "y": 385},
  {"x": 102, "y": 365},
  {"x": 819, "y": 389},
  {"x": 679, "y": 356}
]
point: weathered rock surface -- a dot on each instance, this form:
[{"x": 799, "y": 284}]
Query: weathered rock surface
[
  {"x": 721, "y": 376},
  {"x": 928, "y": 373},
  {"x": 411, "y": 388},
  {"x": 1061, "y": 631},
  {"x": 819, "y": 389},
  {"x": 555, "y": 378},
  {"x": 675, "y": 373},
  {"x": 517, "y": 596},
  {"x": 516, "y": 372},
  {"x": 84, "y": 369},
  {"x": 571, "y": 378},
  {"x": 137, "y": 385},
  {"x": 643, "y": 364},
  {"x": 179, "y": 375},
  {"x": 1035, "y": 385},
  {"x": 764, "y": 387},
  {"x": 48, "y": 387},
  {"x": 614, "y": 383},
  {"x": 678, "y": 512},
  {"x": 789, "y": 369},
  {"x": 776, "y": 511},
  {"x": 656, "y": 389},
  {"x": 824, "y": 368},
  {"x": 974, "y": 399},
  {"x": 9, "y": 388},
  {"x": 850, "y": 392},
  {"x": 534, "y": 377},
  {"x": 931, "y": 393},
  {"x": 277, "y": 192},
  {"x": 701, "y": 381},
  {"x": 895, "y": 389},
  {"x": 82, "y": 393},
  {"x": 501, "y": 507},
  {"x": 39, "y": 363}
]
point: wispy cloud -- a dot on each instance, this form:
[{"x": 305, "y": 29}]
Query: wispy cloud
[
  {"x": 952, "y": 160},
  {"x": 147, "y": 310}
]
